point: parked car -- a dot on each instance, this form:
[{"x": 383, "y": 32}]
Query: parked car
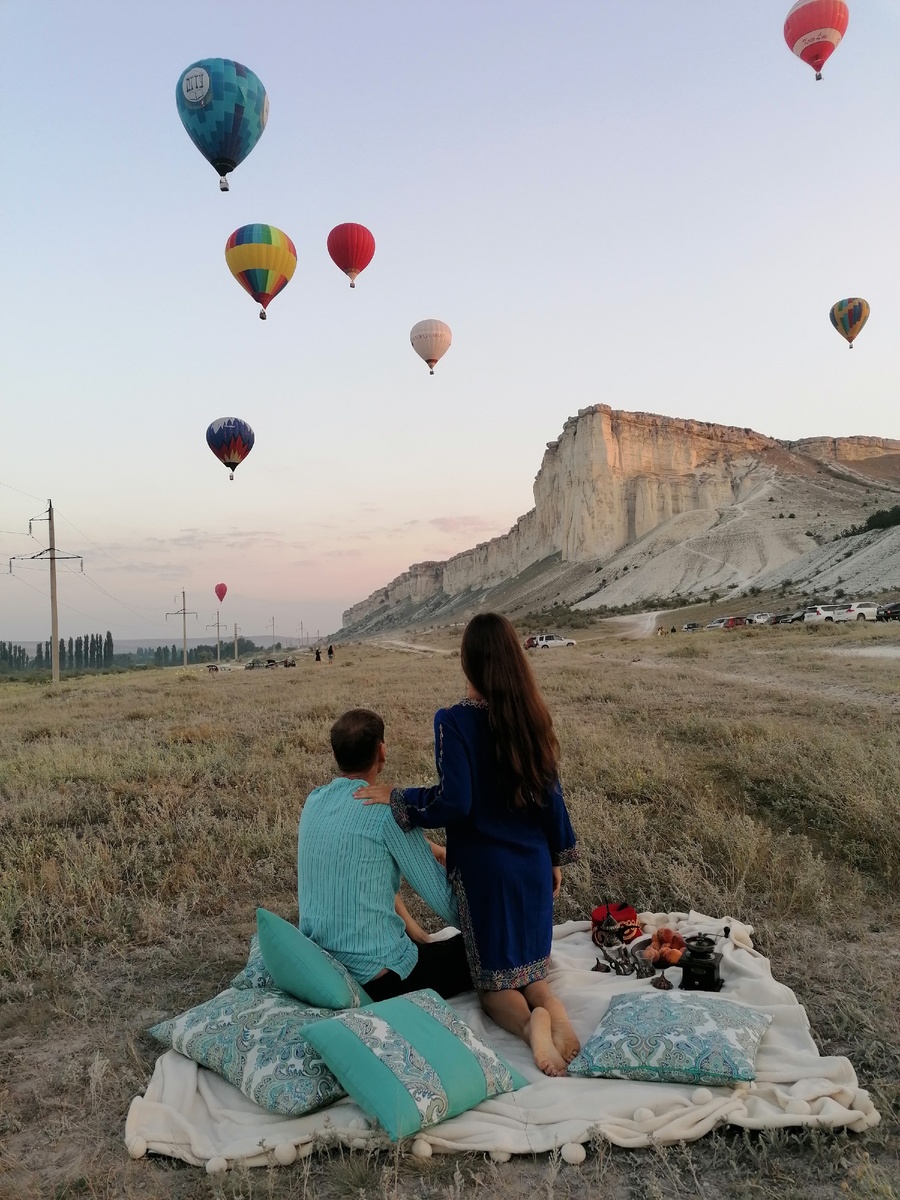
[
  {"x": 547, "y": 641},
  {"x": 864, "y": 610},
  {"x": 734, "y": 622},
  {"x": 797, "y": 616},
  {"x": 817, "y": 613},
  {"x": 691, "y": 627},
  {"x": 718, "y": 623},
  {"x": 252, "y": 664},
  {"x": 787, "y": 618},
  {"x": 530, "y": 642},
  {"x": 889, "y": 612},
  {"x": 761, "y": 619}
]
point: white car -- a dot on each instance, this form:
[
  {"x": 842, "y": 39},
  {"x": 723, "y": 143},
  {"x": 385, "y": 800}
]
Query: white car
[
  {"x": 718, "y": 623},
  {"x": 865, "y": 610},
  {"x": 760, "y": 618},
  {"x": 546, "y": 641},
  {"x": 818, "y": 613}
]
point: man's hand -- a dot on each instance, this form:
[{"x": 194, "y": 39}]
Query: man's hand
[
  {"x": 439, "y": 852},
  {"x": 557, "y": 881},
  {"x": 374, "y": 793}
]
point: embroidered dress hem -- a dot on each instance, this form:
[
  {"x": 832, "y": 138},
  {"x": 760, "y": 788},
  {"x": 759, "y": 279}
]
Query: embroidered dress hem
[
  {"x": 564, "y": 857},
  {"x": 513, "y": 977}
]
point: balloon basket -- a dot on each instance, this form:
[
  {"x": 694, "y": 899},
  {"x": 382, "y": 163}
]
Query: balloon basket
[
  {"x": 262, "y": 314},
  {"x": 353, "y": 283},
  {"x": 818, "y": 75},
  {"x": 231, "y": 476},
  {"x": 223, "y": 184}
]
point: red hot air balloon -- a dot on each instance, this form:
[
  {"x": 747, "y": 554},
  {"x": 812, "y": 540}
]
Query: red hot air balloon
[
  {"x": 221, "y": 589},
  {"x": 351, "y": 248},
  {"x": 814, "y": 28}
]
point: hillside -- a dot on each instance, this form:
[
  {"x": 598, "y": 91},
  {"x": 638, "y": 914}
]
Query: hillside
[{"x": 633, "y": 506}]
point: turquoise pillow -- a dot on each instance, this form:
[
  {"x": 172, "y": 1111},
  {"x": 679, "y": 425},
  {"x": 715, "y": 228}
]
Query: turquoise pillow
[
  {"x": 410, "y": 1062},
  {"x": 675, "y": 1038},
  {"x": 257, "y": 1040},
  {"x": 302, "y": 969}
]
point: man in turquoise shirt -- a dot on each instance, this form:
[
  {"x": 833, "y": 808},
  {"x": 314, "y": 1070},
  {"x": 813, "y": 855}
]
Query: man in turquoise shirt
[{"x": 350, "y": 859}]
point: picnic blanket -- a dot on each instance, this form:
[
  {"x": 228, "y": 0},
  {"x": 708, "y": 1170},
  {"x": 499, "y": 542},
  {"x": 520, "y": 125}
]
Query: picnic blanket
[{"x": 190, "y": 1113}]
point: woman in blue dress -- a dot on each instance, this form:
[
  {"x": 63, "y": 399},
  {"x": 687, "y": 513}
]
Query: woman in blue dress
[{"x": 508, "y": 833}]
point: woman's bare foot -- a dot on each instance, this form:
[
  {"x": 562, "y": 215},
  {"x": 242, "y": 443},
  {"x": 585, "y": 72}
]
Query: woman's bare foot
[
  {"x": 540, "y": 1038},
  {"x": 564, "y": 1038}
]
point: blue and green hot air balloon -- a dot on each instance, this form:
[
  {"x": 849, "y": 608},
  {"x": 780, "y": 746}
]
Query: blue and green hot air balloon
[{"x": 224, "y": 108}]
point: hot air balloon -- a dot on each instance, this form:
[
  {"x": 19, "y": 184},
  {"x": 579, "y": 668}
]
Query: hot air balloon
[
  {"x": 220, "y": 590},
  {"x": 230, "y": 440},
  {"x": 224, "y": 108},
  {"x": 849, "y": 316},
  {"x": 814, "y": 28},
  {"x": 430, "y": 340},
  {"x": 262, "y": 259},
  {"x": 351, "y": 248}
]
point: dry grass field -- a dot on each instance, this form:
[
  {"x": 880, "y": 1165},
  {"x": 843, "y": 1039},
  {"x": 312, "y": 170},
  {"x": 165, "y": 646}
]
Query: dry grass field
[{"x": 146, "y": 816}]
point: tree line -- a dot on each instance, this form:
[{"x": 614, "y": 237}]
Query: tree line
[
  {"x": 171, "y": 656},
  {"x": 90, "y": 652}
]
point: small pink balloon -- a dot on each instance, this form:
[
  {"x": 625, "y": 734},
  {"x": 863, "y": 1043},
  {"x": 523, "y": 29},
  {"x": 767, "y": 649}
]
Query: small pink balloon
[{"x": 221, "y": 589}]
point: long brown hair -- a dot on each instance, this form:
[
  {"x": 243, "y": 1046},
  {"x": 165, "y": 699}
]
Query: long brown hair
[{"x": 495, "y": 665}]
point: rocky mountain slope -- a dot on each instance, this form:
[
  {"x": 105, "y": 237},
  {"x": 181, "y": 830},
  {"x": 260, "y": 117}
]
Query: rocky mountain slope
[{"x": 633, "y": 506}]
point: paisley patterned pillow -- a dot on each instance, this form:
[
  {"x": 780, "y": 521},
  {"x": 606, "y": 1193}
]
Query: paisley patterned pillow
[
  {"x": 410, "y": 1062},
  {"x": 257, "y": 1040},
  {"x": 254, "y": 975},
  {"x": 677, "y": 1038}
]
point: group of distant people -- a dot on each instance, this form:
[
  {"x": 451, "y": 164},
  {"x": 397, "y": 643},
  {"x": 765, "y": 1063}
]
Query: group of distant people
[
  {"x": 330, "y": 653},
  {"x": 508, "y": 835}
]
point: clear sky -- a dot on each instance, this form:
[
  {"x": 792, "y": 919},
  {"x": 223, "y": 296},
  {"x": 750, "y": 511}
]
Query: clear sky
[{"x": 644, "y": 204}]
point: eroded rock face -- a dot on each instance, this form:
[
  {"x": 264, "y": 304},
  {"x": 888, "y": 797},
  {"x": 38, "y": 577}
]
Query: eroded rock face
[
  {"x": 848, "y": 449},
  {"x": 611, "y": 479}
]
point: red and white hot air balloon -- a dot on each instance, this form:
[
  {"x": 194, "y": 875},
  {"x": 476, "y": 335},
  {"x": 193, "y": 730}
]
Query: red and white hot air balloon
[
  {"x": 221, "y": 589},
  {"x": 351, "y": 248},
  {"x": 814, "y": 28}
]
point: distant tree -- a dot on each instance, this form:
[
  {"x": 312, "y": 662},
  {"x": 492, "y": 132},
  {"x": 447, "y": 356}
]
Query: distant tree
[
  {"x": 174, "y": 654},
  {"x": 158, "y": 656},
  {"x": 39, "y": 656},
  {"x": 108, "y": 650},
  {"x": 70, "y": 656},
  {"x": 79, "y": 654},
  {"x": 63, "y": 659},
  {"x": 48, "y": 654},
  {"x": 167, "y": 656}
]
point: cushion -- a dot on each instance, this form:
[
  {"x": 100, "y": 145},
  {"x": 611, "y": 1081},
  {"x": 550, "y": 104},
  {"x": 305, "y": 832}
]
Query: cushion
[
  {"x": 302, "y": 969},
  {"x": 410, "y": 1062},
  {"x": 254, "y": 975},
  {"x": 257, "y": 1040},
  {"x": 673, "y": 1038}
]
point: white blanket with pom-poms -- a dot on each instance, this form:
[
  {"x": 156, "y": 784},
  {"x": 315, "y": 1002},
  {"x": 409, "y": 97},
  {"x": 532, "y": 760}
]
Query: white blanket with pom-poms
[{"x": 192, "y": 1114}]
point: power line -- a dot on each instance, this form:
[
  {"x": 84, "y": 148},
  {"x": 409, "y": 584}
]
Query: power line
[
  {"x": 93, "y": 583},
  {"x": 30, "y": 495},
  {"x": 46, "y": 596}
]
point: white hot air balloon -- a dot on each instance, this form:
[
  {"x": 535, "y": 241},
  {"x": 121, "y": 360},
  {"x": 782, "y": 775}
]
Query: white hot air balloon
[{"x": 430, "y": 340}]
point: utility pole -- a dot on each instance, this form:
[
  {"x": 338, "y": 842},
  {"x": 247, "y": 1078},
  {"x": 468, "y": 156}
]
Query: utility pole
[
  {"x": 301, "y": 633},
  {"x": 54, "y": 556},
  {"x": 235, "y": 643},
  {"x": 184, "y": 614},
  {"x": 218, "y": 637},
  {"x": 272, "y": 623}
]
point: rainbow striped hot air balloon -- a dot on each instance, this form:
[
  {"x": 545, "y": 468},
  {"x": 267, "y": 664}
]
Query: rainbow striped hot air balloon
[
  {"x": 230, "y": 440},
  {"x": 849, "y": 316},
  {"x": 224, "y": 108},
  {"x": 262, "y": 259}
]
